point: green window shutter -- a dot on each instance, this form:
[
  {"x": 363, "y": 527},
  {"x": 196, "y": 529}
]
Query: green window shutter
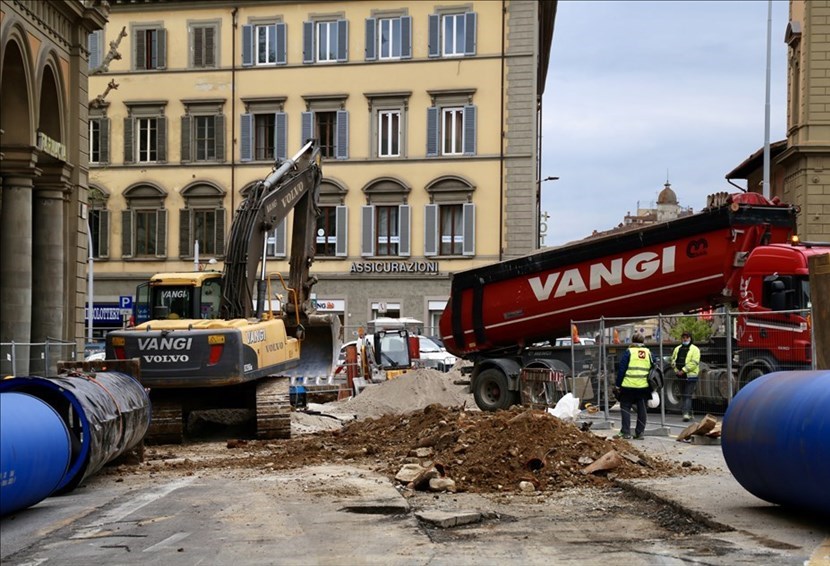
[
  {"x": 127, "y": 233},
  {"x": 431, "y": 230},
  {"x": 219, "y": 132},
  {"x": 341, "y": 145},
  {"x": 404, "y": 230},
  {"x": 104, "y": 234},
  {"x": 406, "y": 37},
  {"x": 282, "y": 51},
  {"x": 307, "y": 127},
  {"x": 210, "y": 47},
  {"x": 308, "y": 42},
  {"x": 185, "y": 246},
  {"x": 220, "y": 232},
  {"x": 198, "y": 47},
  {"x": 247, "y": 45},
  {"x": 139, "y": 41},
  {"x": 128, "y": 140},
  {"x": 433, "y": 131},
  {"x": 434, "y": 35},
  {"x": 342, "y": 40},
  {"x": 246, "y": 127},
  {"x": 367, "y": 231},
  {"x": 371, "y": 40},
  {"x": 94, "y": 46},
  {"x": 469, "y": 245},
  {"x": 186, "y": 138},
  {"x": 161, "y": 139},
  {"x": 469, "y": 129},
  {"x": 161, "y": 233},
  {"x": 342, "y": 231},
  {"x": 161, "y": 48},
  {"x": 470, "y": 34},
  {"x": 281, "y": 135},
  {"x": 105, "y": 140}
]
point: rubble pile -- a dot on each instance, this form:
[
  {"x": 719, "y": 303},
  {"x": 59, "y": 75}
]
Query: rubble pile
[{"x": 509, "y": 451}]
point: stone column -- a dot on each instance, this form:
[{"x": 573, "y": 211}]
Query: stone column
[
  {"x": 16, "y": 265},
  {"x": 48, "y": 256}
]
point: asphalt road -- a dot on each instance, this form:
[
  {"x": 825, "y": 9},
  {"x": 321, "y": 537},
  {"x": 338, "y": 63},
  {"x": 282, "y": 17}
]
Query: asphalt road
[{"x": 346, "y": 515}]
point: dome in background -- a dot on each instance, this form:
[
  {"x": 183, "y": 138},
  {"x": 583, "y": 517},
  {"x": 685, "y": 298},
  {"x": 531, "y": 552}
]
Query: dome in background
[{"x": 667, "y": 195}]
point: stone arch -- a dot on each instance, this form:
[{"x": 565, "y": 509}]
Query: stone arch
[
  {"x": 448, "y": 188},
  {"x": 98, "y": 194},
  {"x": 145, "y": 191},
  {"x": 51, "y": 109},
  {"x": 17, "y": 93},
  {"x": 386, "y": 190},
  {"x": 332, "y": 192},
  {"x": 203, "y": 189}
]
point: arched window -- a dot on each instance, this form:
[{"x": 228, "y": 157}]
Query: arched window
[
  {"x": 449, "y": 225},
  {"x": 144, "y": 223},
  {"x": 99, "y": 222},
  {"x": 386, "y": 219},
  {"x": 202, "y": 219}
]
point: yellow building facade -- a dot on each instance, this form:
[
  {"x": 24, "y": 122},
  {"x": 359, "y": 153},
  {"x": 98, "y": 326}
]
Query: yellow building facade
[{"x": 427, "y": 114}]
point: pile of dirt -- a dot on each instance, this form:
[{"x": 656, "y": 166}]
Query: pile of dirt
[
  {"x": 411, "y": 391},
  {"x": 481, "y": 451}
]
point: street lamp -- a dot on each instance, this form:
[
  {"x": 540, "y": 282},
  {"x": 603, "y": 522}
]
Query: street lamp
[{"x": 539, "y": 232}]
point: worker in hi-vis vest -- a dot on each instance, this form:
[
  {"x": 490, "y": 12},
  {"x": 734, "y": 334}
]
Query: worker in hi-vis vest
[{"x": 632, "y": 386}]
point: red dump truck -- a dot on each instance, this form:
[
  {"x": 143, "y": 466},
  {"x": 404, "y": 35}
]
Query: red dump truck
[{"x": 739, "y": 251}]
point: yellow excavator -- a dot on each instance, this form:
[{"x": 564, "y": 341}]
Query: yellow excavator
[{"x": 211, "y": 341}]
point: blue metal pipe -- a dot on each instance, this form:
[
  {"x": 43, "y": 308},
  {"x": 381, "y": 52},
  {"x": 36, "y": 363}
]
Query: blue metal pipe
[
  {"x": 34, "y": 451},
  {"x": 106, "y": 413},
  {"x": 776, "y": 439}
]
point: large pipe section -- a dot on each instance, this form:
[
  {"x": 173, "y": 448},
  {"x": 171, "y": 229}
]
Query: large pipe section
[
  {"x": 34, "y": 452},
  {"x": 106, "y": 414},
  {"x": 776, "y": 439}
]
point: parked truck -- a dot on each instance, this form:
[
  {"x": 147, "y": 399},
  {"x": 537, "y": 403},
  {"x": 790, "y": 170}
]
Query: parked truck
[
  {"x": 739, "y": 251},
  {"x": 220, "y": 340}
]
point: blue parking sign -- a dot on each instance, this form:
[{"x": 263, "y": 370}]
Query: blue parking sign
[{"x": 125, "y": 302}]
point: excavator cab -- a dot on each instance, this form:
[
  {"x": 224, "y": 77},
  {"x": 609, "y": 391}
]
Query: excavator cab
[{"x": 178, "y": 296}]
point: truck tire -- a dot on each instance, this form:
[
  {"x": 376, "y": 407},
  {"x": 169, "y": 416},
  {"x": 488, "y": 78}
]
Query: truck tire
[
  {"x": 491, "y": 391},
  {"x": 671, "y": 392},
  {"x": 755, "y": 369}
]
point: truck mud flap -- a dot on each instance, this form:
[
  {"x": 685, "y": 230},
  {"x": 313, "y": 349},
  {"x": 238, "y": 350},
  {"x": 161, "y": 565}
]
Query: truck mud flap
[{"x": 318, "y": 349}]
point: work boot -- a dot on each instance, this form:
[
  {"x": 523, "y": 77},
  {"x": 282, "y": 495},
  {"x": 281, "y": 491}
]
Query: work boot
[
  {"x": 624, "y": 435},
  {"x": 687, "y": 418}
]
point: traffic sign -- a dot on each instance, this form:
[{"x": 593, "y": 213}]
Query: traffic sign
[{"x": 125, "y": 302}]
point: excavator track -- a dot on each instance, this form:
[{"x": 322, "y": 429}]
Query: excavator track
[
  {"x": 166, "y": 424},
  {"x": 273, "y": 408}
]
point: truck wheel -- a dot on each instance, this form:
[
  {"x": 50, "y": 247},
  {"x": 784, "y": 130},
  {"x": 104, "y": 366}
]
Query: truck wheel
[
  {"x": 671, "y": 393},
  {"x": 491, "y": 391}
]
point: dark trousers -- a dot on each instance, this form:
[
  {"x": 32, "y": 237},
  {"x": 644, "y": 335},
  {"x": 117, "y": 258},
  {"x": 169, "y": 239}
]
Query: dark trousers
[
  {"x": 626, "y": 402},
  {"x": 687, "y": 390}
]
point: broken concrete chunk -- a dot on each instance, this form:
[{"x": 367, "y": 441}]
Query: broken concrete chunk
[
  {"x": 441, "y": 484},
  {"x": 447, "y": 519},
  {"x": 421, "y": 452},
  {"x": 607, "y": 461},
  {"x": 408, "y": 473}
]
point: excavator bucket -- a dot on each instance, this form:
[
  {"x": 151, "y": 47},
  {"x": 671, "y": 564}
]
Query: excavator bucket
[{"x": 319, "y": 347}]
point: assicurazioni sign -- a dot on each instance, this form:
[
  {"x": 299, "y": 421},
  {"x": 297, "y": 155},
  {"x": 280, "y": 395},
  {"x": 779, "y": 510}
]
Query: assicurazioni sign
[{"x": 395, "y": 267}]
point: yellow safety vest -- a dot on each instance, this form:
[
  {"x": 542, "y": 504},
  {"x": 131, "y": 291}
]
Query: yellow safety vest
[{"x": 636, "y": 376}]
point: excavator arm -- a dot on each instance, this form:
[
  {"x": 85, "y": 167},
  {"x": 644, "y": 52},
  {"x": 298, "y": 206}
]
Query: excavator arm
[{"x": 294, "y": 185}]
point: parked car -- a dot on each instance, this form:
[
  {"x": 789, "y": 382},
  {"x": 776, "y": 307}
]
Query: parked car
[
  {"x": 433, "y": 354},
  {"x": 94, "y": 351},
  {"x": 583, "y": 341}
]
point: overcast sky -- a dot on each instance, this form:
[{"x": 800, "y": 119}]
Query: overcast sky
[{"x": 639, "y": 90}]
